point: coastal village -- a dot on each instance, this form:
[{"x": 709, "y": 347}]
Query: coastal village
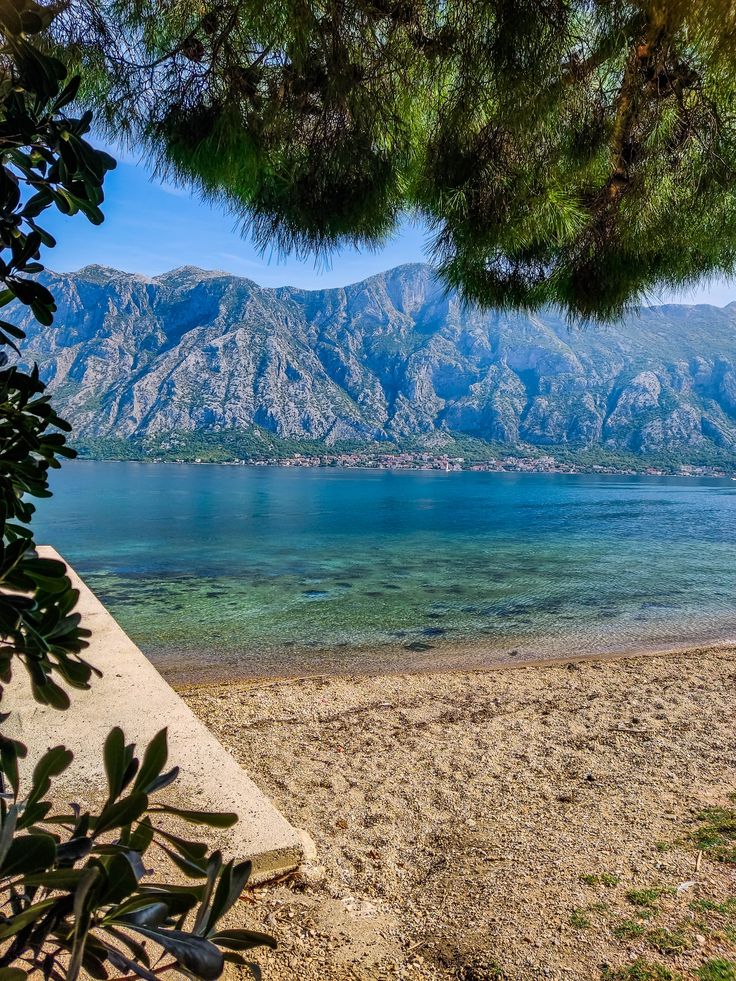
[{"x": 450, "y": 464}]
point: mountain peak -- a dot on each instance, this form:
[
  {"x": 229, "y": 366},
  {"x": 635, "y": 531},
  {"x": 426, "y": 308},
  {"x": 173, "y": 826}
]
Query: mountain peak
[
  {"x": 94, "y": 272},
  {"x": 385, "y": 359},
  {"x": 184, "y": 273},
  {"x": 405, "y": 271}
]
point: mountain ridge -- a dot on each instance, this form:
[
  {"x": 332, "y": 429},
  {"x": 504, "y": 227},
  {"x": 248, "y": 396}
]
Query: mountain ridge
[{"x": 390, "y": 358}]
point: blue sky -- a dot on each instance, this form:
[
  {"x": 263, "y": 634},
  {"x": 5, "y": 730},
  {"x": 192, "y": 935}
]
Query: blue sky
[{"x": 151, "y": 226}]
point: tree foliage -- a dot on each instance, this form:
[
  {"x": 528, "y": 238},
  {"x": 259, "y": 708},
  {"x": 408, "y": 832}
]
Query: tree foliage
[
  {"x": 74, "y": 892},
  {"x": 562, "y": 150}
]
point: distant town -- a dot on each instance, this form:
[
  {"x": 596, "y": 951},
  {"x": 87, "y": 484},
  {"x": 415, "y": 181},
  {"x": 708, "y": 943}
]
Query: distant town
[{"x": 443, "y": 462}]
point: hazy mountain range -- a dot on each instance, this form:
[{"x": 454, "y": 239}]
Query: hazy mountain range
[{"x": 392, "y": 358}]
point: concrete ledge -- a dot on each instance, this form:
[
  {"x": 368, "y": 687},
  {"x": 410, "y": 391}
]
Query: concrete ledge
[{"x": 133, "y": 695}]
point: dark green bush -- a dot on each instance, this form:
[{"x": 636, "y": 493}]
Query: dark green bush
[{"x": 74, "y": 885}]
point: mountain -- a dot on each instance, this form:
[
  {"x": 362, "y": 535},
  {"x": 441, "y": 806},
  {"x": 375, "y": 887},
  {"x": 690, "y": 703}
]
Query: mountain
[{"x": 395, "y": 357}]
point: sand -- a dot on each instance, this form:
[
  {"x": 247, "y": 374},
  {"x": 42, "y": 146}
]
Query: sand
[{"x": 461, "y": 818}]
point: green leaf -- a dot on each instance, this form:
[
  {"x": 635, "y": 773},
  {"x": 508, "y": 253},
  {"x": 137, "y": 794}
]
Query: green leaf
[
  {"x": 12, "y": 974},
  {"x": 165, "y": 780},
  {"x": 132, "y": 857},
  {"x": 121, "y": 879},
  {"x": 142, "y": 837},
  {"x": 122, "y": 813},
  {"x": 56, "y": 879},
  {"x": 34, "y": 813},
  {"x": 9, "y": 823},
  {"x": 52, "y": 764},
  {"x": 83, "y": 907},
  {"x": 213, "y": 870},
  {"x": 93, "y": 964},
  {"x": 68, "y": 94},
  {"x": 242, "y": 939},
  {"x": 229, "y": 890},
  {"x": 213, "y": 819},
  {"x": 21, "y": 920},
  {"x": 115, "y": 762},
  {"x": 193, "y": 953},
  {"x": 29, "y": 853},
  {"x": 10, "y": 751},
  {"x": 176, "y": 901},
  {"x": 150, "y": 915},
  {"x": 74, "y": 850},
  {"x": 154, "y": 760},
  {"x": 11, "y": 329},
  {"x": 187, "y": 889}
]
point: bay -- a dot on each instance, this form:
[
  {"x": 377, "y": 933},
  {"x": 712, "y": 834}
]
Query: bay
[{"x": 220, "y": 571}]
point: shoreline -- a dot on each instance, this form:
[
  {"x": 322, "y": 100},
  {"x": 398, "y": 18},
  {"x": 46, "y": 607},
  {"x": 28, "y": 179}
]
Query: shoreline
[{"x": 186, "y": 680}]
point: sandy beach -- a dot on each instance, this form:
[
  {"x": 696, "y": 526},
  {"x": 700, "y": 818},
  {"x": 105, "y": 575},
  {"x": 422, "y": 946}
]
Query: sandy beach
[{"x": 531, "y": 823}]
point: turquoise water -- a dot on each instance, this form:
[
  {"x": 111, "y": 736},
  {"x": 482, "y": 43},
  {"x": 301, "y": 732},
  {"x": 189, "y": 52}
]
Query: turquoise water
[{"x": 221, "y": 571}]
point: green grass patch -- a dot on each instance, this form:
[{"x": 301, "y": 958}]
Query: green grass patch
[
  {"x": 629, "y": 930},
  {"x": 646, "y": 912},
  {"x": 607, "y": 879},
  {"x": 725, "y": 908},
  {"x": 610, "y": 879},
  {"x": 716, "y": 834},
  {"x": 717, "y": 969},
  {"x": 589, "y": 879},
  {"x": 579, "y": 919},
  {"x": 645, "y": 897},
  {"x": 580, "y": 916},
  {"x": 641, "y": 970},
  {"x": 669, "y": 941}
]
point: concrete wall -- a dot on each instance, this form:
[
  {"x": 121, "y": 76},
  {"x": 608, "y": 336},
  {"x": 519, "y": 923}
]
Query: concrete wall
[{"x": 133, "y": 695}]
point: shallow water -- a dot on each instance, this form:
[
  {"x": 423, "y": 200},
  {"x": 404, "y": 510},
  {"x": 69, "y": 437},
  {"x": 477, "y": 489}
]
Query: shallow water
[{"x": 246, "y": 571}]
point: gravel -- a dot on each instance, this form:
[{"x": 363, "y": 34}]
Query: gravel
[{"x": 455, "y": 814}]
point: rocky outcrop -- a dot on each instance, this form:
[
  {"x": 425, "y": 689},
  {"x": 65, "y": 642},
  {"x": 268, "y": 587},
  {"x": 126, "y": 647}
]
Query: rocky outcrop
[{"x": 393, "y": 357}]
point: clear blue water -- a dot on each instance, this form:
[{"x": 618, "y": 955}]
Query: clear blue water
[{"x": 222, "y": 571}]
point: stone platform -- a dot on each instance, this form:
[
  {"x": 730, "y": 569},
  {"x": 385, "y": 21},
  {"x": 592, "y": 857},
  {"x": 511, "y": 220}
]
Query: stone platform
[{"x": 133, "y": 695}]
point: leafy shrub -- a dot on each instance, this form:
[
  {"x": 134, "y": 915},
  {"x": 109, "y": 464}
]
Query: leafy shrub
[
  {"x": 72, "y": 889},
  {"x": 74, "y": 883}
]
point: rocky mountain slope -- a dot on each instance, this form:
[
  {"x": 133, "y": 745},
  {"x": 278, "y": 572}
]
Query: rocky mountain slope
[{"x": 392, "y": 358}]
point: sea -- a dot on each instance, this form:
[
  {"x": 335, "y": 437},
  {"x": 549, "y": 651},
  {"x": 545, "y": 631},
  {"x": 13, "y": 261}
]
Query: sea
[{"x": 221, "y": 572}]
